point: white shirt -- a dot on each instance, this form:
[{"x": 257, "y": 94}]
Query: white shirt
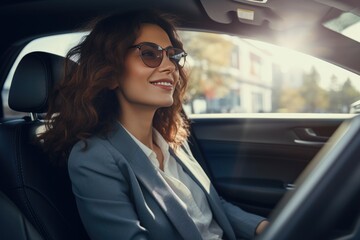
[{"x": 188, "y": 193}]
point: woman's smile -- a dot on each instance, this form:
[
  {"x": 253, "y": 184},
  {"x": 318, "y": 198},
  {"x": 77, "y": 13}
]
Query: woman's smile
[{"x": 166, "y": 84}]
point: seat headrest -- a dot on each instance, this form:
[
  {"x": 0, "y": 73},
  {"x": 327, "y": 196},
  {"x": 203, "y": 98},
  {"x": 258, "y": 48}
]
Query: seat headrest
[{"x": 33, "y": 81}]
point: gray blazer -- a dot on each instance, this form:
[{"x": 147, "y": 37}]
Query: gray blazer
[{"x": 120, "y": 195}]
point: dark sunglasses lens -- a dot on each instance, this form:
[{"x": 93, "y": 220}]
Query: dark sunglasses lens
[
  {"x": 177, "y": 56},
  {"x": 151, "y": 56}
]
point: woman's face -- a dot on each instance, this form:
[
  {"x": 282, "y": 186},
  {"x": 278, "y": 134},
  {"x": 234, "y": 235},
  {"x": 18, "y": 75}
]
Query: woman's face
[{"x": 143, "y": 86}]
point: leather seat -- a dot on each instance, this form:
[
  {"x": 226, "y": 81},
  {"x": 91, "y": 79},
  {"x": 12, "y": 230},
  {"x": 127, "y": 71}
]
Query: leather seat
[
  {"x": 40, "y": 190},
  {"x": 13, "y": 224}
]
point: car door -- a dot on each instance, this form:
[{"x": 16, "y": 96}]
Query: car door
[
  {"x": 259, "y": 114},
  {"x": 254, "y": 161}
]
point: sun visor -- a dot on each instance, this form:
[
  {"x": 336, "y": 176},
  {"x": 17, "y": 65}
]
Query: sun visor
[{"x": 229, "y": 11}]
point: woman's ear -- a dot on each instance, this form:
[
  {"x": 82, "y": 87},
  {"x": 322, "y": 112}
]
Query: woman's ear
[{"x": 114, "y": 85}]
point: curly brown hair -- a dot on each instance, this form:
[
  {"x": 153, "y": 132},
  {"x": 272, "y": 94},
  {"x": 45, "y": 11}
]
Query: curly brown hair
[{"x": 83, "y": 104}]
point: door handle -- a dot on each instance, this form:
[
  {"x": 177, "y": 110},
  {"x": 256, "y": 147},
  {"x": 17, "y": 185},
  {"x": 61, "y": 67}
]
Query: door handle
[
  {"x": 290, "y": 186},
  {"x": 307, "y": 136},
  {"x": 309, "y": 143}
]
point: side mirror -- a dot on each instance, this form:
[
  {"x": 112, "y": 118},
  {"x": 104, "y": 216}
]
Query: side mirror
[{"x": 355, "y": 107}]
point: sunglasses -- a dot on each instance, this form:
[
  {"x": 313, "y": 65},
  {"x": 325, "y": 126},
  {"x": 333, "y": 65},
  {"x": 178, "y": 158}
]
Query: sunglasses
[{"x": 152, "y": 54}]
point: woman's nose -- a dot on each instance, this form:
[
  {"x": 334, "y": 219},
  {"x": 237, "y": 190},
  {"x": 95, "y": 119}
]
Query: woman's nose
[{"x": 167, "y": 64}]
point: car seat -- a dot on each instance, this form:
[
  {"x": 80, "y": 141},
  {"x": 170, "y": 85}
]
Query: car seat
[
  {"x": 40, "y": 190},
  {"x": 13, "y": 224}
]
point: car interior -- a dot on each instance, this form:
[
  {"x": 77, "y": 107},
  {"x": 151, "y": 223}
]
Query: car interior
[{"x": 301, "y": 172}]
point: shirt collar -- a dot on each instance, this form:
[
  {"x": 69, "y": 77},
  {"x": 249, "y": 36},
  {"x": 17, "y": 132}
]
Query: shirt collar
[
  {"x": 143, "y": 147},
  {"x": 159, "y": 140}
]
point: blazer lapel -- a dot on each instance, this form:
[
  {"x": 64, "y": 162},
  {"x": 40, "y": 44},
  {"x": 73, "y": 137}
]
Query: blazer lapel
[
  {"x": 195, "y": 171},
  {"x": 154, "y": 182}
]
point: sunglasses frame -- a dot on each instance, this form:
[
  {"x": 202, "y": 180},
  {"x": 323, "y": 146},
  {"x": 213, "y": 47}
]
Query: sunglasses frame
[{"x": 161, "y": 50}]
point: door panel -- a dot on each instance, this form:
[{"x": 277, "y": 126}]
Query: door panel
[{"x": 253, "y": 161}]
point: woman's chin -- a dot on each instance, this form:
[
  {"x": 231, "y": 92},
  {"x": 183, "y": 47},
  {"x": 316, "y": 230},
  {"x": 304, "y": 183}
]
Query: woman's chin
[{"x": 166, "y": 104}]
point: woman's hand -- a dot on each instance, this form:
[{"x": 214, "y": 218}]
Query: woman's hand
[{"x": 261, "y": 227}]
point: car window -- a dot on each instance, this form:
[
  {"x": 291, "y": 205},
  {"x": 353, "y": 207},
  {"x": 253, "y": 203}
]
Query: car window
[
  {"x": 228, "y": 74},
  {"x": 233, "y": 75}
]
